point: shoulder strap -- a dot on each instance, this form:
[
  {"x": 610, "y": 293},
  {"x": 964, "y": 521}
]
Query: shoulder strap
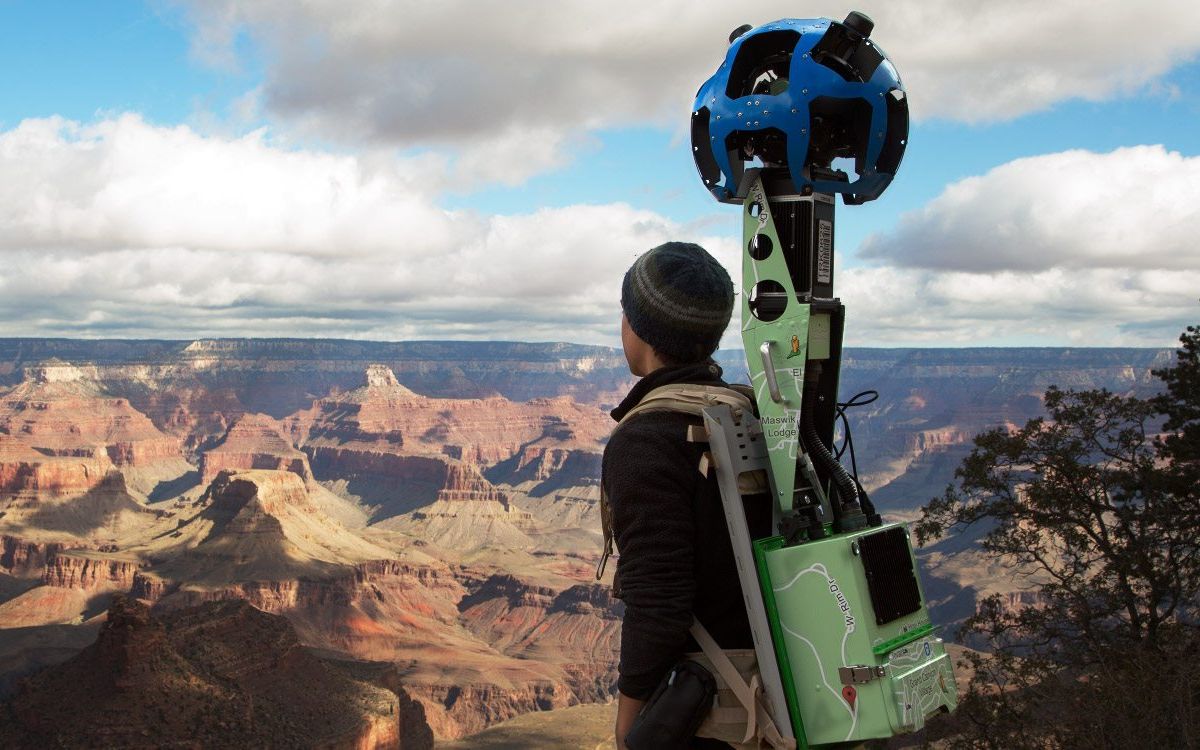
[
  {"x": 689, "y": 399},
  {"x": 680, "y": 397}
]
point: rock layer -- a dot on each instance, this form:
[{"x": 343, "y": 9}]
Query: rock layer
[
  {"x": 260, "y": 525},
  {"x": 255, "y": 441},
  {"x": 60, "y": 434},
  {"x": 383, "y": 435},
  {"x": 22, "y": 557},
  {"x": 89, "y": 572}
]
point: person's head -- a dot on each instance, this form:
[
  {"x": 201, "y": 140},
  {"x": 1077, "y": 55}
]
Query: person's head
[{"x": 677, "y": 301}]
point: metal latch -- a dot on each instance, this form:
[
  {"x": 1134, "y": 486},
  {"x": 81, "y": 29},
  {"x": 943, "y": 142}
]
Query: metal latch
[{"x": 860, "y": 674}]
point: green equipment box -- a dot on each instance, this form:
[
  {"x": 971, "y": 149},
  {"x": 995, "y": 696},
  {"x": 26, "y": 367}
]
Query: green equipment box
[{"x": 857, "y": 652}]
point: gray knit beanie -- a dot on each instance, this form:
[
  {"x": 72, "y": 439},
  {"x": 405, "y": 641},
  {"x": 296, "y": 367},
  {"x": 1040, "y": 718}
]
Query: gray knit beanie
[{"x": 678, "y": 299}]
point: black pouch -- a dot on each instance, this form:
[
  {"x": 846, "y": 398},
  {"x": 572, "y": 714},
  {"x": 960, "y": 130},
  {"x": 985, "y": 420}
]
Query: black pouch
[{"x": 675, "y": 711}]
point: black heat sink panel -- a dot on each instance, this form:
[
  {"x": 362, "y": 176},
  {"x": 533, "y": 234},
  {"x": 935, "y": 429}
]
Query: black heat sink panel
[{"x": 891, "y": 580}]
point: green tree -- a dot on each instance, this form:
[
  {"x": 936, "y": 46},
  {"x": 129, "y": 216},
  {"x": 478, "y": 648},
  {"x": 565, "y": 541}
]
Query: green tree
[
  {"x": 1181, "y": 405},
  {"x": 1096, "y": 506}
]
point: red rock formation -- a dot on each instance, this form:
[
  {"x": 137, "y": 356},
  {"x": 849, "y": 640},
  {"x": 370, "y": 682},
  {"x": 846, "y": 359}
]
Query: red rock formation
[
  {"x": 148, "y": 587},
  {"x": 58, "y": 409},
  {"x": 179, "y": 403},
  {"x": 541, "y": 463},
  {"x": 455, "y": 711},
  {"x": 477, "y": 467},
  {"x": 105, "y": 512},
  {"x": 485, "y": 431},
  {"x": 464, "y": 483},
  {"x": 364, "y": 610},
  {"x": 42, "y": 606},
  {"x": 258, "y": 536},
  {"x": 384, "y": 436},
  {"x": 414, "y": 730},
  {"x": 541, "y": 468},
  {"x": 29, "y": 474},
  {"x": 21, "y": 558},
  {"x": 89, "y": 571},
  {"x": 270, "y": 492},
  {"x": 579, "y": 623},
  {"x": 60, "y": 434},
  {"x": 223, "y": 675},
  {"x": 404, "y": 482},
  {"x": 504, "y": 648},
  {"x": 255, "y": 441},
  {"x": 260, "y": 525},
  {"x": 577, "y": 630}
]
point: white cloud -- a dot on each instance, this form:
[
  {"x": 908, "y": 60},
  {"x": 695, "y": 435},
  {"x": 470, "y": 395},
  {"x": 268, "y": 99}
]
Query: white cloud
[
  {"x": 1099, "y": 249},
  {"x": 987, "y": 61},
  {"x": 125, "y": 183},
  {"x": 1136, "y": 208},
  {"x": 458, "y": 72},
  {"x": 1103, "y": 307},
  {"x": 123, "y": 228}
]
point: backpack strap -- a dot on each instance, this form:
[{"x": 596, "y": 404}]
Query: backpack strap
[
  {"x": 681, "y": 398},
  {"x": 759, "y": 722},
  {"x": 690, "y": 399}
]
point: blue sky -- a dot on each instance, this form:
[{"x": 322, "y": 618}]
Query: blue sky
[
  {"x": 80, "y": 60},
  {"x": 433, "y": 195}
]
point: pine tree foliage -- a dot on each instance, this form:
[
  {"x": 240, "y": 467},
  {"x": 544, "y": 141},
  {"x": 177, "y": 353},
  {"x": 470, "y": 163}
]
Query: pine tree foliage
[
  {"x": 1181, "y": 405},
  {"x": 1095, "y": 507}
]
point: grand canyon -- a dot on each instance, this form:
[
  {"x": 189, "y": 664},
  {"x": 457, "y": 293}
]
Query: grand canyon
[{"x": 192, "y": 528}]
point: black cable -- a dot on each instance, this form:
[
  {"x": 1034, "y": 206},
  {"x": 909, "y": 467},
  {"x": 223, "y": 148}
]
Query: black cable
[
  {"x": 859, "y": 399},
  {"x": 847, "y": 486}
]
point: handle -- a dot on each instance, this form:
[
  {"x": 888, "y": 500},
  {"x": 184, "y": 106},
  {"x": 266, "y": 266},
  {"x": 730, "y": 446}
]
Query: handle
[{"x": 769, "y": 371}]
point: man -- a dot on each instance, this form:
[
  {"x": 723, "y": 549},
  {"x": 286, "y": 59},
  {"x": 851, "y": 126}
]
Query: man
[{"x": 676, "y": 561}]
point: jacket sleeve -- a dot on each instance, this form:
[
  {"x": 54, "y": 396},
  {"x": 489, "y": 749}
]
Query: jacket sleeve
[{"x": 651, "y": 491}]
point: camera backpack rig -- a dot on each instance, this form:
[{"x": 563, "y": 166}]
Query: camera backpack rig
[{"x": 845, "y": 645}]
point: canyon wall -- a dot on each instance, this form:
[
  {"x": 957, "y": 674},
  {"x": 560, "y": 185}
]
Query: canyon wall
[{"x": 425, "y": 511}]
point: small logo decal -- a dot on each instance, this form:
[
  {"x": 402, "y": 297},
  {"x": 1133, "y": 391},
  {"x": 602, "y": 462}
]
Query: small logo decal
[{"x": 795, "y": 347}]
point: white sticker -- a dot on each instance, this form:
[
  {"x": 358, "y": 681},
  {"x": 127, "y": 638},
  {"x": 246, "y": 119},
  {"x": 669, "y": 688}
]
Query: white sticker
[{"x": 824, "y": 251}]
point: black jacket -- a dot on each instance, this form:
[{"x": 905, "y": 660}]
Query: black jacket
[{"x": 675, "y": 558}]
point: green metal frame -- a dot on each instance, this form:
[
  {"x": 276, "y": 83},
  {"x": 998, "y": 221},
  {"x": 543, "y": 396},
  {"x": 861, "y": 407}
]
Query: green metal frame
[{"x": 815, "y": 594}]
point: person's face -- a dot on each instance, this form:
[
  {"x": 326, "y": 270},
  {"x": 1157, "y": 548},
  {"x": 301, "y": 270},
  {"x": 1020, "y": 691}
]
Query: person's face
[{"x": 632, "y": 346}]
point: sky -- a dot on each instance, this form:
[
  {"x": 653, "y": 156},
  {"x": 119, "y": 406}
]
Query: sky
[{"x": 397, "y": 170}]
